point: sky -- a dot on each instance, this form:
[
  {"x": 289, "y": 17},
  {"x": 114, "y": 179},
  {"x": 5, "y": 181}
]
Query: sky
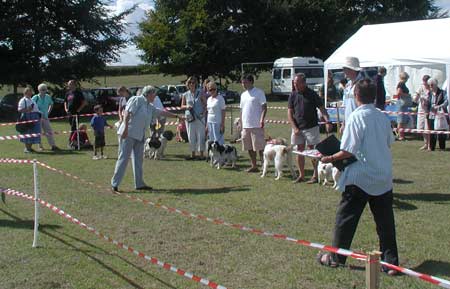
[{"x": 130, "y": 55}]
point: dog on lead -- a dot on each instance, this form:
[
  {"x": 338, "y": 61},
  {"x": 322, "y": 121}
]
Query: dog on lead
[
  {"x": 327, "y": 173},
  {"x": 220, "y": 155},
  {"x": 281, "y": 154},
  {"x": 155, "y": 145}
]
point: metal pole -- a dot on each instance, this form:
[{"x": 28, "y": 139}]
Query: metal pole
[
  {"x": 338, "y": 125},
  {"x": 78, "y": 132},
  {"x": 36, "y": 204},
  {"x": 231, "y": 121}
]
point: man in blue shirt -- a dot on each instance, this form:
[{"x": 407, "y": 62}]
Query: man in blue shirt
[
  {"x": 138, "y": 115},
  {"x": 367, "y": 136}
]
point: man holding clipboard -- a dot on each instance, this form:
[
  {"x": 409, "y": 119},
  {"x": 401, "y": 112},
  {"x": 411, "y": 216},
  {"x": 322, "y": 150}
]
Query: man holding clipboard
[{"x": 367, "y": 137}]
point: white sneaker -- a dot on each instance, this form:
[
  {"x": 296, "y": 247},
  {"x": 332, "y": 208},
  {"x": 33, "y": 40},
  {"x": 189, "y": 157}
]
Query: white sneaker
[
  {"x": 96, "y": 158},
  {"x": 104, "y": 156}
]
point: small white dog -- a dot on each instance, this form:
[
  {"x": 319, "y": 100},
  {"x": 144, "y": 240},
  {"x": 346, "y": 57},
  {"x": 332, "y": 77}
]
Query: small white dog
[
  {"x": 237, "y": 128},
  {"x": 327, "y": 173},
  {"x": 154, "y": 147},
  {"x": 221, "y": 155},
  {"x": 281, "y": 155}
]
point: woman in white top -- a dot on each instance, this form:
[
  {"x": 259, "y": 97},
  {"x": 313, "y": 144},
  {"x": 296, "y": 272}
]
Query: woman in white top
[
  {"x": 215, "y": 106},
  {"x": 30, "y": 111}
]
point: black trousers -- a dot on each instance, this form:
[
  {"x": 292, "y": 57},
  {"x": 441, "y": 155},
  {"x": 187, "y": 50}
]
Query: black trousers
[
  {"x": 440, "y": 137},
  {"x": 352, "y": 205}
]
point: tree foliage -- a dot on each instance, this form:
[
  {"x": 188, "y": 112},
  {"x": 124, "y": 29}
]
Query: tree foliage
[
  {"x": 57, "y": 40},
  {"x": 207, "y": 37}
]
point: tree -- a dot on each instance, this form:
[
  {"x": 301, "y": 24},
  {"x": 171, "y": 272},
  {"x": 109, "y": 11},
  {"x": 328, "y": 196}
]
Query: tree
[
  {"x": 206, "y": 37},
  {"x": 46, "y": 40}
]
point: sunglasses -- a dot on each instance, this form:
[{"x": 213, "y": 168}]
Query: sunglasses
[{"x": 212, "y": 89}]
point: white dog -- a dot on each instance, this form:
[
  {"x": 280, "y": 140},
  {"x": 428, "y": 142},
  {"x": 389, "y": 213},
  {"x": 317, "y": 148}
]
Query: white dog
[
  {"x": 237, "y": 128},
  {"x": 222, "y": 154},
  {"x": 155, "y": 146},
  {"x": 327, "y": 173},
  {"x": 281, "y": 155}
]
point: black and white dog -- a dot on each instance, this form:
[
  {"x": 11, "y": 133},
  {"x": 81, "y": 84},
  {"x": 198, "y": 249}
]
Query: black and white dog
[
  {"x": 220, "y": 155},
  {"x": 155, "y": 145}
]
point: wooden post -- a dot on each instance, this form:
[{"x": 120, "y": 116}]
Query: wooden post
[{"x": 373, "y": 270}]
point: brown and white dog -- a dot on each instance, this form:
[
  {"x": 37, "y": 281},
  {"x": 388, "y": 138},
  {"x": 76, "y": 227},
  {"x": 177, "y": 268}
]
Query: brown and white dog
[
  {"x": 327, "y": 173},
  {"x": 277, "y": 151}
]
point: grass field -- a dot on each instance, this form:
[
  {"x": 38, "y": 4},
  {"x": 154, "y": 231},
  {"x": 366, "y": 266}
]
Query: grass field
[{"x": 69, "y": 257}]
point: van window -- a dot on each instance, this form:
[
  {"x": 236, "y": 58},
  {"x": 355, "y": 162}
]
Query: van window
[
  {"x": 310, "y": 72},
  {"x": 286, "y": 73},
  {"x": 277, "y": 74}
]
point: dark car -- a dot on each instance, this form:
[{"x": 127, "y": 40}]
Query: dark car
[
  {"x": 107, "y": 97},
  {"x": 229, "y": 96},
  {"x": 58, "y": 103},
  {"x": 8, "y": 106},
  {"x": 170, "y": 95}
]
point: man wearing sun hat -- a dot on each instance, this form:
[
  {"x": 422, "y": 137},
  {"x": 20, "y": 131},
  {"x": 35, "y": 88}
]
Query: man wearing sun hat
[{"x": 352, "y": 71}]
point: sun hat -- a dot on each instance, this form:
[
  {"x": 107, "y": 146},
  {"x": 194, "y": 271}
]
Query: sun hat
[{"x": 352, "y": 63}]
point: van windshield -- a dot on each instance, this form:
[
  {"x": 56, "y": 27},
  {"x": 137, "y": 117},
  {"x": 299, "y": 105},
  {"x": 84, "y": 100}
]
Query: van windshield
[{"x": 310, "y": 72}]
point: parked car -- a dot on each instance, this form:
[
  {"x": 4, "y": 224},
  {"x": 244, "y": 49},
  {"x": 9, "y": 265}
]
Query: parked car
[
  {"x": 107, "y": 97},
  {"x": 170, "y": 95},
  {"x": 229, "y": 96},
  {"x": 8, "y": 106}
]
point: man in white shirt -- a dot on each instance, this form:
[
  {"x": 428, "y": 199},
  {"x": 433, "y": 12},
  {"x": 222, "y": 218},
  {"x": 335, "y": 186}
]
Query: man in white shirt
[
  {"x": 253, "y": 111},
  {"x": 367, "y": 136},
  {"x": 352, "y": 71}
]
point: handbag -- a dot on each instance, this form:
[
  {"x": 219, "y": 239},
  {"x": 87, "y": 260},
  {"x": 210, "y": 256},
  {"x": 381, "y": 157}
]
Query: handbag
[
  {"x": 23, "y": 127},
  {"x": 189, "y": 115}
]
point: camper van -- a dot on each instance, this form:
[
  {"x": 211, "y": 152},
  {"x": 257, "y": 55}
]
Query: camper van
[{"x": 284, "y": 70}]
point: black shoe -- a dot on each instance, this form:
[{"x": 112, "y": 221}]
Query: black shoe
[
  {"x": 115, "y": 189},
  {"x": 144, "y": 188}
]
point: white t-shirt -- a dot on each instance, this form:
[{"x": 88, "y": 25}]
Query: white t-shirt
[
  {"x": 251, "y": 107},
  {"x": 215, "y": 105},
  {"x": 29, "y": 102}
]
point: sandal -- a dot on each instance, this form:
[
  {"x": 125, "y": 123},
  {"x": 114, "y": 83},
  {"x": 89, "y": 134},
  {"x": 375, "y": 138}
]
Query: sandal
[
  {"x": 298, "y": 180},
  {"x": 325, "y": 259},
  {"x": 312, "y": 180},
  {"x": 252, "y": 170}
]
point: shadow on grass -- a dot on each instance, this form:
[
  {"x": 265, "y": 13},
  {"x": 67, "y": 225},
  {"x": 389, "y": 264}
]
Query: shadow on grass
[
  {"x": 425, "y": 197},
  {"x": 432, "y": 267},
  {"x": 60, "y": 152},
  {"x": 44, "y": 230},
  {"x": 124, "y": 260},
  {"x": 198, "y": 191},
  {"x": 25, "y": 224},
  {"x": 397, "y": 204},
  {"x": 402, "y": 181}
]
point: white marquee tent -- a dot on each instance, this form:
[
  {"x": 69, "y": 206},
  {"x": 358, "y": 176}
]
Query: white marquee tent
[{"x": 417, "y": 47}]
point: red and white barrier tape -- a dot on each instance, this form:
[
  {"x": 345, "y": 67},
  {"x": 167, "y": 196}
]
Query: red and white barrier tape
[
  {"x": 355, "y": 255},
  {"x": 384, "y": 111},
  {"x": 30, "y": 135},
  {"x": 216, "y": 221},
  {"x": 428, "y": 278},
  {"x": 90, "y": 229},
  {"x": 55, "y": 118},
  {"x": 422, "y": 131}
]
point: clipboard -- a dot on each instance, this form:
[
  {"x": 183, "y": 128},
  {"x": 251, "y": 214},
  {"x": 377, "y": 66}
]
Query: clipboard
[{"x": 330, "y": 146}]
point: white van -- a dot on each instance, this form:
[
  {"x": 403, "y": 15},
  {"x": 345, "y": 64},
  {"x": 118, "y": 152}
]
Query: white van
[{"x": 284, "y": 70}]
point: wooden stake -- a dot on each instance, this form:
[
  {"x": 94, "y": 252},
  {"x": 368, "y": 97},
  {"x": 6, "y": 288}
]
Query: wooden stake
[{"x": 373, "y": 269}]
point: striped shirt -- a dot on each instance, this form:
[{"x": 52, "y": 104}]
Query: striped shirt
[{"x": 368, "y": 136}]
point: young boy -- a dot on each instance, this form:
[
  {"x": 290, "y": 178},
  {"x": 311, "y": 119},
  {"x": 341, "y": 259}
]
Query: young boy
[{"x": 98, "y": 123}]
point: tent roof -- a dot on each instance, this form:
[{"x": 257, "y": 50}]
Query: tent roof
[{"x": 401, "y": 43}]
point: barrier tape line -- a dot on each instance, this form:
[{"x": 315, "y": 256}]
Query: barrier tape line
[
  {"x": 355, "y": 255},
  {"x": 121, "y": 245},
  {"x": 384, "y": 111},
  {"x": 215, "y": 221},
  {"x": 428, "y": 278}
]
